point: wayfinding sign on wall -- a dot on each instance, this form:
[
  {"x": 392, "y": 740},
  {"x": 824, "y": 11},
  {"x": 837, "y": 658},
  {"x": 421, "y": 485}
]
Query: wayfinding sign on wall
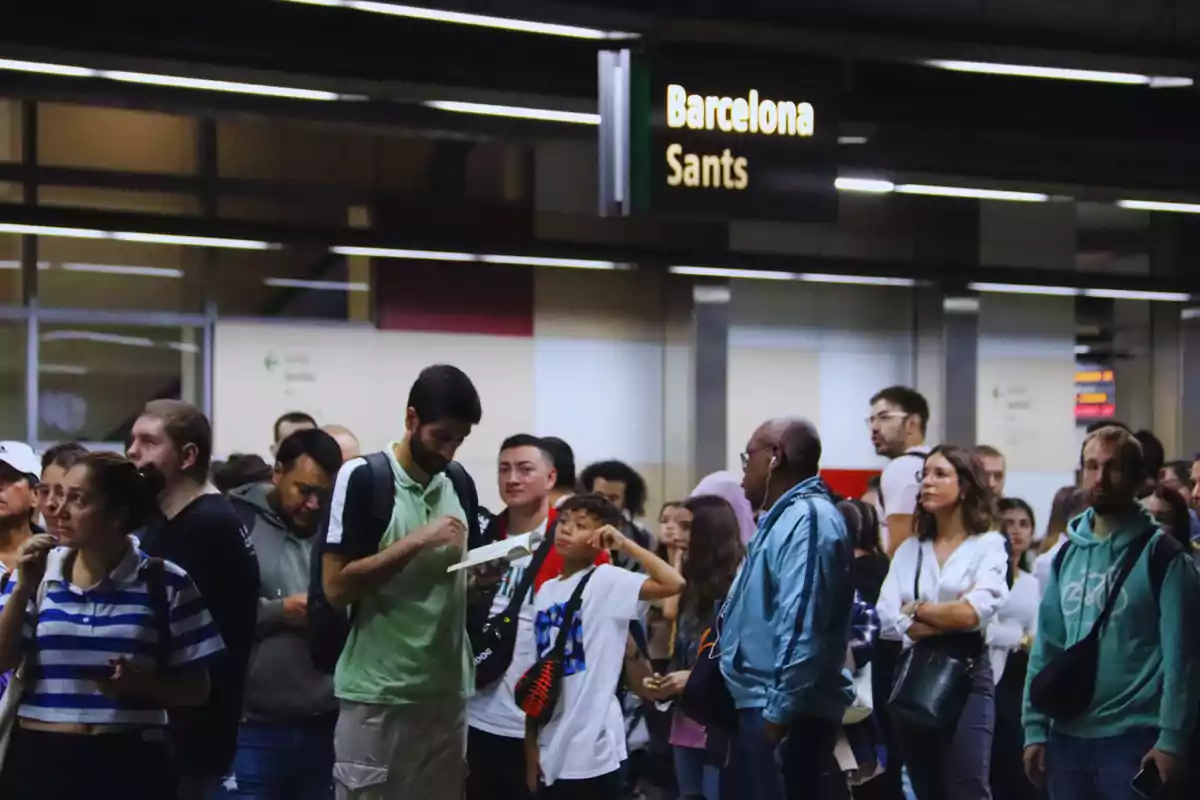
[{"x": 685, "y": 135}]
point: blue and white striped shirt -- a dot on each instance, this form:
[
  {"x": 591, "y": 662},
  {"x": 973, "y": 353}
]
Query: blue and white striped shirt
[{"x": 81, "y": 631}]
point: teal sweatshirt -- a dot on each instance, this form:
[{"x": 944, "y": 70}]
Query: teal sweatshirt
[{"x": 1148, "y": 671}]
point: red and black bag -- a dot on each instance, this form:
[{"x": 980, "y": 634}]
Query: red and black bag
[{"x": 536, "y": 693}]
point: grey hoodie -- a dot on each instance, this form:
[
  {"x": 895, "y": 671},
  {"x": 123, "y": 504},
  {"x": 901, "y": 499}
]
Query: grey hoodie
[{"x": 281, "y": 683}]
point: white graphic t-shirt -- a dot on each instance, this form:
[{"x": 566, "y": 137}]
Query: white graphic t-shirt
[
  {"x": 899, "y": 487},
  {"x": 492, "y": 708},
  {"x": 586, "y": 736}
]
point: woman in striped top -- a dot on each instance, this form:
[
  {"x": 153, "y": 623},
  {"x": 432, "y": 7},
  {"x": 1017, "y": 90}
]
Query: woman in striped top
[{"x": 108, "y": 639}]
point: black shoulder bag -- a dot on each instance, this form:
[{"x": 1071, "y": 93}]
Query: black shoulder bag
[
  {"x": 494, "y": 643},
  {"x": 536, "y": 693},
  {"x": 1064, "y": 687},
  {"x": 934, "y": 681}
]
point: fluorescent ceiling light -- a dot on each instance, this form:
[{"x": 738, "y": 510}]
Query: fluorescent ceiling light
[
  {"x": 14, "y": 264},
  {"x": 486, "y": 258},
  {"x": 478, "y": 20},
  {"x": 320, "y": 286},
  {"x": 1082, "y": 349},
  {"x": 979, "y": 194},
  {"x": 130, "y": 236},
  {"x": 62, "y": 369},
  {"x": 416, "y": 255},
  {"x": 536, "y": 261},
  {"x": 123, "y": 269},
  {"x": 852, "y": 140},
  {"x": 516, "y": 112},
  {"x": 1130, "y": 294},
  {"x": 1023, "y": 288},
  {"x": 173, "y": 81},
  {"x": 868, "y": 185},
  {"x": 1060, "y": 73},
  {"x": 1154, "y": 205},
  {"x": 96, "y": 336},
  {"x": 856, "y": 280},
  {"x": 725, "y": 272}
]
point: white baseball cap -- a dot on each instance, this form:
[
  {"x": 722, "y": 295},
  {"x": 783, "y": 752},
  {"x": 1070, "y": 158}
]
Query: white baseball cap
[{"x": 21, "y": 457}]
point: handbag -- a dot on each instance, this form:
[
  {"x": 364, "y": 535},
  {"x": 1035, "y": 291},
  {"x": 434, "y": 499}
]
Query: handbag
[
  {"x": 934, "y": 681},
  {"x": 1064, "y": 687},
  {"x": 537, "y": 691},
  {"x": 24, "y": 675},
  {"x": 706, "y": 698},
  {"x": 495, "y": 642}
]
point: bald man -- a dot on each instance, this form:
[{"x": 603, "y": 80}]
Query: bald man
[
  {"x": 787, "y": 621},
  {"x": 346, "y": 440}
]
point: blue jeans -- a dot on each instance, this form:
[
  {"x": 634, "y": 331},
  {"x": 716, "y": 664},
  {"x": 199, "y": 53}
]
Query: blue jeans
[
  {"x": 277, "y": 761},
  {"x": 1096, "y": 769},
  {"x": 696, "y": 773}
]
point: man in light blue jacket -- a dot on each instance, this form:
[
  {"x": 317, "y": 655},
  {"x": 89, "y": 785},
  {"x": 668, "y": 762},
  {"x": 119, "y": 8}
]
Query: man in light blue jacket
[{"x": 786, "y": 623}]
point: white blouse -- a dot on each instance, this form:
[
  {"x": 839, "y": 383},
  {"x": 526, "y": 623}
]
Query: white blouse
[
  {"x": 1016, "y": 618},
  {"x": 974, "y": 572}
]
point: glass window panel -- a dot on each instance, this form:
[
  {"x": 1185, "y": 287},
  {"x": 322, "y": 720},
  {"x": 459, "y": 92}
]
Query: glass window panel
[
  {"x": 111, "y": 275},
  {"x": 93, "y": 380},
  {"x": 72, "y": 135},
  {"x": 289, "y": 152},
  {"x": 293, "y": 282},
  {"x": 118, "y": 199},
  {"x": 13, "y": 340},
  {"x": 10, "y": 130},
  {"x": 10, "y": 270},
  {"x": 284, "y": 210}
]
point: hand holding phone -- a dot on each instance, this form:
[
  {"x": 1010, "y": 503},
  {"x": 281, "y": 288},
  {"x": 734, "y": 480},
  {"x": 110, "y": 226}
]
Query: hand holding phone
[{"x": 1148, "y": 783}]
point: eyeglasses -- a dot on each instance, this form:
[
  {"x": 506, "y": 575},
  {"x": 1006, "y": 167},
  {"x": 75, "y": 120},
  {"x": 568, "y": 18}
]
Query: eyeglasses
[{"x": 879, "y": 419}]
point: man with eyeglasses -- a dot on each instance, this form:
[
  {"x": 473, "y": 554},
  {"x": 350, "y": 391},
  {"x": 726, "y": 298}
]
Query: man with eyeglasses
[
  {"x": 285, "y": 741},
  {"x": 899, "y": 416}
]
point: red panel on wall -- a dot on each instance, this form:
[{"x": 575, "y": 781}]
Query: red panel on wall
[
  {"x": 849, "y": 483},
  {"x": 449, "y": 297}
]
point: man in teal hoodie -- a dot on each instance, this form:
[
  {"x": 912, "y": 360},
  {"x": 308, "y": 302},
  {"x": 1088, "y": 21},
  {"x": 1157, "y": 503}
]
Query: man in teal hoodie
[
  {"x": 1144, "y": 706},
  {"x": 786, "y": 623}
]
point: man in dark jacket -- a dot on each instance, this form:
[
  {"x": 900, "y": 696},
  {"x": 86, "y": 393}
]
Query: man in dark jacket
[{"x": 285, "y": 742}]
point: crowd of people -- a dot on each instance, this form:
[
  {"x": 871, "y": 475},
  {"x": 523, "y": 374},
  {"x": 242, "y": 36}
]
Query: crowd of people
[{"x": 340, "y": 624}]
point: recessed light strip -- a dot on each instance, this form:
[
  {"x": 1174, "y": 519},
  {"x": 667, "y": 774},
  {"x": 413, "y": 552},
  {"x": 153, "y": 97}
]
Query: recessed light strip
[
  {"x": 481, "y": 258},
  {"x": 320, "y": 286},
  {"x": 774, "y": 275},
  {"x": 1071, "y": 291},
  {"x": 1060, "y": 73},
  {"x": 515, "y": 112},
  {"x": 132, "y": 236},
  {"x": 173, "y": 81},
  {"x": 978, "y": 194},
  {"x": 1155, "y": 205},
  {"x": 477, "y": 20}
]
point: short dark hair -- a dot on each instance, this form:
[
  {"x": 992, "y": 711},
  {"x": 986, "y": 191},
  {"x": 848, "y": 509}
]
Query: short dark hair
[
  {"x": 293, "y": 418},
  {"x": 564, "y": 461},
  {"x": 986, "y": 451},
  {"x": 635, "y": 485},
  {"x": 443, "y": 392},
  {"x": 314, "y": 443},
  {"x": 185, "y": 424},
  {"x": 527, "y": 440},
  {"x": 239, "y": 470},
  {"x": 63, "y": 455},
  {"x": 910, "y": 401},
  {"x": 594, "y": 504},
  {"x": 1154, "y": 455}
]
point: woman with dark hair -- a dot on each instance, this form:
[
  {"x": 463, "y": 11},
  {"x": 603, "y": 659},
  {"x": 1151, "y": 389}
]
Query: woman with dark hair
[
  {"x": 944, "y": 586},
  {"x": 55, "y": 463},
  {"x": 713, "y": 553},
  {"x": 107, "y": 640},
  {"x": 1010, "y": 636},
  {"x": 1170, "y": 511},
  {"x": 1069, "y": 502},
  {"x": 870, "y": 562}
]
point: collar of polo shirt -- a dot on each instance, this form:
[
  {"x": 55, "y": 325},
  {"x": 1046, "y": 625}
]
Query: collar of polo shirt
[{"x": 125, "y": 572}]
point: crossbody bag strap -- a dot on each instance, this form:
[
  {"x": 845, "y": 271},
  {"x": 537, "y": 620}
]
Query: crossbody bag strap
[
  {"x": 1132, "y": 554},
  {"x": 917, "y": 577},
  {"x": 530, "y": 575},
  {"x": 564, "y": 633}
]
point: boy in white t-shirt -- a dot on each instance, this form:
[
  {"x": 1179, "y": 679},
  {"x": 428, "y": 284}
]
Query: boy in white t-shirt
[{"x": 578, "y": 753}]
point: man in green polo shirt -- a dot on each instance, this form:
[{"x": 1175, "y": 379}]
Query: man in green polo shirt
[{"x": 406, "y": 670}]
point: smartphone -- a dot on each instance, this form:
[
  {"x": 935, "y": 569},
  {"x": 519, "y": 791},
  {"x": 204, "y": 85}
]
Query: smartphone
[{"x": 1148, "y": 783}]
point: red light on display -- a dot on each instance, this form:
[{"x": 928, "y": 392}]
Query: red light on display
[{"x": 1094, "y": 411}]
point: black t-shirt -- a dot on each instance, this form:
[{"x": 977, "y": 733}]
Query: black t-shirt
[{"x": 207, "y": 539}]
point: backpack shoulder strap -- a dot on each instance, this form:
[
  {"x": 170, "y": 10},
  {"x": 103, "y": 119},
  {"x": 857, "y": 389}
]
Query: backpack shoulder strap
[
  {"x": 1060, "y": 557},
  {"x": 155, "y": 575},
  {"x": 1163, "y": 551},
  {"x": 383, "y": 494},
  {"x": 530, "y": 574},
  {"x": 468, "y": 497},
  {"x": 569, "y": 613}
]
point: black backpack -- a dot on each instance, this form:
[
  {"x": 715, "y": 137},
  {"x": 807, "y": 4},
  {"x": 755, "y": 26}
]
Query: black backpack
[{"x": 329, "y": 627}]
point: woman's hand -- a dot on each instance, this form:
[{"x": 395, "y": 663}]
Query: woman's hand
[
  {"x": 908, "y": 608},
  {"x": 31, "y": 560},
  {"x": 672, "y": 684}
]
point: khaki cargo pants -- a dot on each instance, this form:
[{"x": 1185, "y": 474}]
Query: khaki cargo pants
[{"x": 400, "y": 752}]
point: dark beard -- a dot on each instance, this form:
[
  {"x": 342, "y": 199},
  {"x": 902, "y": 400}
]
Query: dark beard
[{"x": 427, "y": 461}]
